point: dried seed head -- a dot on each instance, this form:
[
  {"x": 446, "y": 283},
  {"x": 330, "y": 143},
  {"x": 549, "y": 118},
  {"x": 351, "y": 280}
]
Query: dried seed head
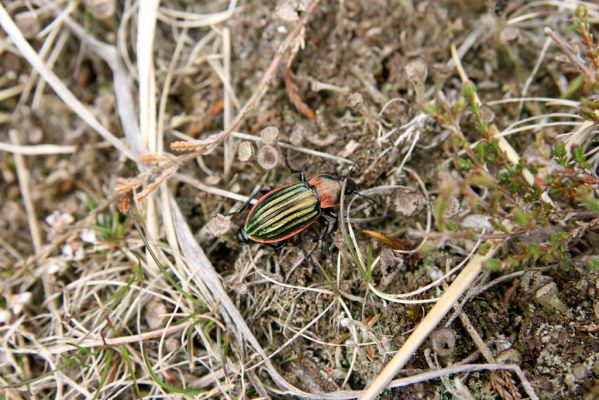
[
  {"x": 298, "y": 132},
  {"x": 101, "y": 9},
  {"x": 245, "y": 151},
  {"x": 453, "y": 207},
  {"x": 354, "y": 100},
  {"x": 269, "y": 135},
  {"x": 487, "y": 114},
  {"x": 416, "y": 72},
  {"x": 218, "y": 225},
  {"x": 28, "y": 24},
  {"x": 548, "y": 296},
  {"x": 391, "y": 260},
  {"x": 268, "y": 157},
  {"x": 155, "y": 314},
  {"x": 443, "y": 341},
  {"x": 407, "y": 202},
  {"x": 580, "y": 371},
  {"x": 171, "y": 344},
  {"x": 509, "y": 356},
  {"x": 509, "y": 34}
]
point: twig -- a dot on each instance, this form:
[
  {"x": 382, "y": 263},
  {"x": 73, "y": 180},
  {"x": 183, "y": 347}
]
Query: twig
[{"x": 577, "y": 61}]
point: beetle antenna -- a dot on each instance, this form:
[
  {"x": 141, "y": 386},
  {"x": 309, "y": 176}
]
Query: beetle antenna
[{"x": 366, "y": 197}]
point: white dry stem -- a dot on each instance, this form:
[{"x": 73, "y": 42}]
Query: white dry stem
[
  {"x": 37, "y": 150},
  {"x": 59, "y": 87},
  {"x": 428, "y": 323},
  {"x": 24, "y": 186},
  {"x": 146, "y": 29}
]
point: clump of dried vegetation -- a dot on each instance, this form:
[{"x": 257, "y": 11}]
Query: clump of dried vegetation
[{"x": 128, "y": 128}]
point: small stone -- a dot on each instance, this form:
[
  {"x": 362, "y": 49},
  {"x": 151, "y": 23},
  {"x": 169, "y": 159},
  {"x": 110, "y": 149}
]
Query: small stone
[
  {"x": 509, "y": 34},
  {"x": 155, "y": 314},
  {"x": 245, "y": 151},
  {"x": 268, "y": 157},
  {"x": 218, "y": 225},
  {"x": 596, "y": 308},
  {"x": 269, "y": 135},
  {"x": 213, "y": 180},
  {"x": 407, "y": 202}
]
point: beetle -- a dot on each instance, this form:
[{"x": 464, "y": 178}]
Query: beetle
[{"x": 286, "y": 211}]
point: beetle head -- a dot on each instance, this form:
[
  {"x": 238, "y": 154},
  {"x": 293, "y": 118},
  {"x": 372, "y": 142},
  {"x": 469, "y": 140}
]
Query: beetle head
[{"x": 350, "y": 187}]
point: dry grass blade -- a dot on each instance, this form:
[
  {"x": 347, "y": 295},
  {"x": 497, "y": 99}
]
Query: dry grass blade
[
  {"x": 428, "y": 323},
  {"x": 59, "y": 87}
]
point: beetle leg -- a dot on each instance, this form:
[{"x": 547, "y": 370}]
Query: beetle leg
[
  {"x": 280, "y": 245},
  {"x": 308, "y": 258},
  {"x": 329, "y": 219},
  {"x": 260, "y": 190}
]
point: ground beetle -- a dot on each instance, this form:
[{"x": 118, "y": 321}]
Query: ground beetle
[{"x": 284, "y": 212}]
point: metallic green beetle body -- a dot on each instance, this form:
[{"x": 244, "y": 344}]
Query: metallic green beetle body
[
  {"x": 287, "y": 210},
  {"x": 282, "y": 213}
]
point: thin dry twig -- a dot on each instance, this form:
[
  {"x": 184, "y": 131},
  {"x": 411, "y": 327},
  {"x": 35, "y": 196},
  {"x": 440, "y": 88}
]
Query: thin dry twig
[{"x": 207, "y": 145}]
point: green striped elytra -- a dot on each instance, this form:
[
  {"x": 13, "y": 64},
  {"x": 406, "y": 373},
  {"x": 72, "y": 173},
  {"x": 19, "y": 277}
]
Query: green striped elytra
[{"x": 284, "y": 212}]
